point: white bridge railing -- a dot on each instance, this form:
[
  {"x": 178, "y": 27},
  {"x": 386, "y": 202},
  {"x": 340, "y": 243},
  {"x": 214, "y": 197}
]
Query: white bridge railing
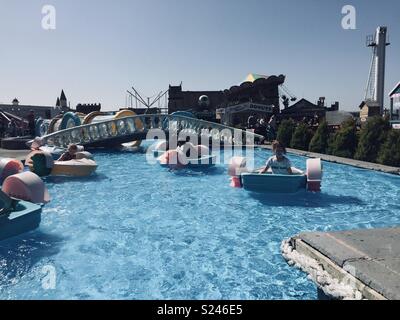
[{"x": 135, "y": 127}]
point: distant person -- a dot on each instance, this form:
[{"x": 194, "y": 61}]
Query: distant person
[
  {"x": 278, "y": 163},
  {"x": 251, "y": 121},
  {"x": 31, "y": 123},
  {"x": 2, "y": 128},
  {"x": 316, "y": 120},
  {"x": 70, "y": 154},
  {"x": 272, "y": 128},
  {"x": 12, "y": 128}
]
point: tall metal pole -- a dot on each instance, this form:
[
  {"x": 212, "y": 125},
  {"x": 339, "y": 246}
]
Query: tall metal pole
[{"x": 381, "y": 44}]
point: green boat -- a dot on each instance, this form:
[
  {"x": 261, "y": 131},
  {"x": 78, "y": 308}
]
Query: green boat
[{"x": 17, "y": 216}]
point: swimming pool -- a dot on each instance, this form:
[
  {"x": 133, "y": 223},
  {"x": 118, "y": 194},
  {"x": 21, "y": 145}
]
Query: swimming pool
[{"x": 138, "y": 231}]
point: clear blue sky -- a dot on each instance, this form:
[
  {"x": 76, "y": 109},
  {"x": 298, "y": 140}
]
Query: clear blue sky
[{"x": 100, "y": 48}]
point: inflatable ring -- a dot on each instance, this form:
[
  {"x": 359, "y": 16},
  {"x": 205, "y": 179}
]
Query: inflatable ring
[
  {"x": 53, "y": 123},
  {"x": 89, "y": 118},
  {"x": 138, "y": 124},
  {"x": 69, "y": 116},
  {"x": 38, "y": 124},
  {"x": 41, "y": 127}
]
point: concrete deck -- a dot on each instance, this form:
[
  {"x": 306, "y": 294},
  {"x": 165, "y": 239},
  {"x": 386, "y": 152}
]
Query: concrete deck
[
  {"x": 371, "y": 256},
  {"x": 15, "y": 154},
  {"x": 346, "y": 161}
]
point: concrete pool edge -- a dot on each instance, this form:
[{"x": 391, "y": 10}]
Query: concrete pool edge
[
  {"x": 339, "y": 160},
  {"x": 356, "y": 264}
]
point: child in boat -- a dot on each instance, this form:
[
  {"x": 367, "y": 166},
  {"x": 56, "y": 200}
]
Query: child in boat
[
  {"x": 279, "y": 163},
  {"x": 187, "y": 148},
  {"x": 70, "y": 154}
]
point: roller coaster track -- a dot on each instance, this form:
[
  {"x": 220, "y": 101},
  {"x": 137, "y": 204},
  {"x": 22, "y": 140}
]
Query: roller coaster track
[{"x": 111, "y": 133}]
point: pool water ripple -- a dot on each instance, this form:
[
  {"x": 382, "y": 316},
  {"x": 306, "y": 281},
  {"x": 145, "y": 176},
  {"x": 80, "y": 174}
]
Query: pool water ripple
[{"x": 139, "y": 231}]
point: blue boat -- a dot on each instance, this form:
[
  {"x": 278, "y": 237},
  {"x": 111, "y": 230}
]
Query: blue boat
[
  {"x": 274, "y": 183},
  {"x": 17, "y": 216},
  {"x": 268, "y": 182}
]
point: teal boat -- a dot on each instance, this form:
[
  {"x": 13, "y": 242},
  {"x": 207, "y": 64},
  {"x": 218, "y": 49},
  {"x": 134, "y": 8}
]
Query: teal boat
[
  {"x": 254, "y": 181},
  {"x": 274, "y": 183},
  {"x": 17, "y": 216}
]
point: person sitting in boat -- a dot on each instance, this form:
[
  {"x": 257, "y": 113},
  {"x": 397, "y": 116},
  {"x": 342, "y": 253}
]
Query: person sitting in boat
[
  {"x": 279, "y": 163},
  {"x": 187, "y": 148},
  {"x": 70, "y": 154}
]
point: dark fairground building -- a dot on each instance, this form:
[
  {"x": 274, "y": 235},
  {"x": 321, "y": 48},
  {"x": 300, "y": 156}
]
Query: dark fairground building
[{"x": 256, "y": 95}]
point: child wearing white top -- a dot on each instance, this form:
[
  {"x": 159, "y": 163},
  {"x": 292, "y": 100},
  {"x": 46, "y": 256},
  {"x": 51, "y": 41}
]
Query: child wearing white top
[{"x": 279, "y": 163}]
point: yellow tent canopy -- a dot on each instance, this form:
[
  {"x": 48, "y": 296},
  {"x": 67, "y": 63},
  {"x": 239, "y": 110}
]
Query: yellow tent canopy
[{"x": 253, "y": 77}]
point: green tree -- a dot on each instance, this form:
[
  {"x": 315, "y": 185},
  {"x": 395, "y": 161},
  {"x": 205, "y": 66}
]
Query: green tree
[
  {"x": 389, "y": 154},
  {"x": 344, "y": 142},
  {"x": 285, "y": 132},
  {"x": 301, "y": 137},
  {"x": 319, "y": 143},
  {"x": 372, "y": 136}
]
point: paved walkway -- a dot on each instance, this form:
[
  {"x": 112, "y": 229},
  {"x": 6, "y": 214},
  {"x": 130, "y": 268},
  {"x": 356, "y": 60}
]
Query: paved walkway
[
  {"x": 372, "y": 256},
  {"x": 346, "y": 161},
  {"x": 15, "y": 154}
]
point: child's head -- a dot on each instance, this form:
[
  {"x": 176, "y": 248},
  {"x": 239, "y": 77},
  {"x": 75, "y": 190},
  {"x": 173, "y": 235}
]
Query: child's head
[
  {"x": 72, "y": 148},
  {"x": 278, "y": 148}
]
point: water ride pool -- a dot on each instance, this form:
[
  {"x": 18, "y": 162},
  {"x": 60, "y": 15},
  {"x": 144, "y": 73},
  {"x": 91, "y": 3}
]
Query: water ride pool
[{"x": 139, "y": 231}]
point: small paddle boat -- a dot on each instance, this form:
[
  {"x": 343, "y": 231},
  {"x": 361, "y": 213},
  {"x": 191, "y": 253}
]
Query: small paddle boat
[
  {"x": 55, "y": 152},
  {"x": 9, "y": 167},
  {"x": 21, "y": 200},
  {"x": 276, "y": 183},
  {"x": 177, "y": 159},
  {"x": 43, "y": 164}
]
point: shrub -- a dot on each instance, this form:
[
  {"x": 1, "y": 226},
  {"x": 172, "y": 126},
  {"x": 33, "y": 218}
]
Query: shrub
[
  {"x": 372, "y": 137},
  {"x": 301, "y": 137},
  {"x": 389, "y": 154},
  {"x": 344, "y": 142},
  {"x": 319, "y": 143},
  {"x": 285, "y": 132}
]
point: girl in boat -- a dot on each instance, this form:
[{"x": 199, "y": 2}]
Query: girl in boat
[
  {"x": 70, "y": 154},
  {"x": 278, "y": 163}
]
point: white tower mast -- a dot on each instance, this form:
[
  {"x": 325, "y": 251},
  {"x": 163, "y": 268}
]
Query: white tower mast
[{"x": 376, "y": 81}]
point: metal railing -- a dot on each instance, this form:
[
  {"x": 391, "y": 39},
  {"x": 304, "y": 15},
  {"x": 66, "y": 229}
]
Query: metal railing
[{"x": 139, "y": 125}]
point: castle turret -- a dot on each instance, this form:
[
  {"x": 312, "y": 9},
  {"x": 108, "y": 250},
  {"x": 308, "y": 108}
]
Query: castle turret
[{"x": 63, "y": 100}]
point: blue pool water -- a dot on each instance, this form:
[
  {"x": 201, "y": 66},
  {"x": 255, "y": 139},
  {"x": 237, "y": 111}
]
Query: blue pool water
[{"x": 138, "y": 231}]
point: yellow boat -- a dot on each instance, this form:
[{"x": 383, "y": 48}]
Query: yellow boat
[{"x": 42, "y": 164}]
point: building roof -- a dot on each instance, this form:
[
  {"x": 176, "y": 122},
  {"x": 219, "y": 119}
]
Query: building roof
[
  {"x": 15, "y": 100},
  {"x": 58, "y": 103},
  {"x": 63, "y": 97},
  {"x": 25, "y": 106},
  {"x": 395, "y": 91},
  {"x": 301, "y": 103},
  {"x": 369, "y": 103}
]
